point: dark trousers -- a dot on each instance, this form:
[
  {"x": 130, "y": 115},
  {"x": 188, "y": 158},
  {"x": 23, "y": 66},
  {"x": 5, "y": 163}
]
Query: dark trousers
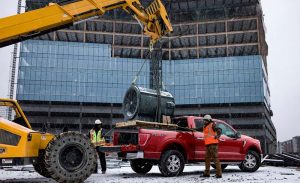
[
  {"x": 102, "y": 160},
  {"x": 212, "y": 154}
]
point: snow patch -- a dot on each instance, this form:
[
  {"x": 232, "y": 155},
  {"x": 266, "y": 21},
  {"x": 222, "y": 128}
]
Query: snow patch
[{"x": 190, "y": 174}]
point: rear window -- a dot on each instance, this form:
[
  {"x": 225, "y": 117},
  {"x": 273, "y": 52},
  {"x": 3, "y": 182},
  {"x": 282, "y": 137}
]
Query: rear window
[
  {"x": 199, "y": 124},
  {"x": 182, "y": 122}
]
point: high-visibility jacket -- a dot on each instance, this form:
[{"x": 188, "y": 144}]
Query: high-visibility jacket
[
  {"x": 209, "y": 135},
  {"x": 96, "y": 138}
]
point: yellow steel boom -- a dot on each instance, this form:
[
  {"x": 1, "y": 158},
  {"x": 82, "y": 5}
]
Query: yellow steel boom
[{"x": 13, "y": 29}]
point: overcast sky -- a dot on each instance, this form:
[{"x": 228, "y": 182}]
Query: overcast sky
[{"x": 282, "y": 19}]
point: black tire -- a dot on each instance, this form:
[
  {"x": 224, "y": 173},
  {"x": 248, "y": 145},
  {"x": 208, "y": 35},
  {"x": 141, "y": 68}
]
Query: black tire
[
  {"x": 251, "y": 162},
  {"x": 223, "y": 166},
  {"x": 70, "y": 157},
  {"x": 39, "y": 165},
  {"x": 141, "y": 166},
  {"x": 166, "y": 168}
]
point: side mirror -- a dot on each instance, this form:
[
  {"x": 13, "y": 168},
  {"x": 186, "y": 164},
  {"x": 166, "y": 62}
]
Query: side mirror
[{"x": 238, "y": 135}]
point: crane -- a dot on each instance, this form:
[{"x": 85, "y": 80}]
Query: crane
[{"x": 154, "y": 19}]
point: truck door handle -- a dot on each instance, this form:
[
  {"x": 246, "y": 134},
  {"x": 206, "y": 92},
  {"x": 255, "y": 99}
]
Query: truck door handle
[
  {"x": 200, "y": 138},
  {"x": 222, "y": 140}
]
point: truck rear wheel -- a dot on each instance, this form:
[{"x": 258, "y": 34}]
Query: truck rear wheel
[
  {"x": 171, "y": 163},
  {"x": 251, "y": 162},
  {"x": 141, "y": 166},
  {"x": 70, "y": 157},
  {"x": 39, "y": 165}
]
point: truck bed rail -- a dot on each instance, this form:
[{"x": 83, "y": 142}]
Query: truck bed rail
[{"x": 145, "y": 124}]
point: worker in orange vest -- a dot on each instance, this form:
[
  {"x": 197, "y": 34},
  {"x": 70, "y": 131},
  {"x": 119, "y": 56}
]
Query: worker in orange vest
[
  {"x": 97, "y": 138},
  {"x": 211, "y": 136}
]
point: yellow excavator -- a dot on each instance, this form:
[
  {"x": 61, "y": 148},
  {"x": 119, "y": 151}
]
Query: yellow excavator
[{"x": 66, "y": 157}]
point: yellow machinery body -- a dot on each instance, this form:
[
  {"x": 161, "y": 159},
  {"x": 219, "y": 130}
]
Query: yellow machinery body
[{"x": 20, "y": 141}]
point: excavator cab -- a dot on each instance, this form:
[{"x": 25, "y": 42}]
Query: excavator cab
[
  {"x": 10, "y": 110},
  {"x": 17, "y": 139}
]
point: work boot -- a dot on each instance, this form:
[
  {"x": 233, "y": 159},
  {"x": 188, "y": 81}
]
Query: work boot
[
  {"x": 204, "y": 175},
  {"x": 218, "y": 176}
]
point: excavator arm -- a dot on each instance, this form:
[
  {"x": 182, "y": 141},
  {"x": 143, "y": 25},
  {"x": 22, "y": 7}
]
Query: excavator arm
[{"x": 13, "y": 29}]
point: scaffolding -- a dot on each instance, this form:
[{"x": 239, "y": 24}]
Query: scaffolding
[{"x": 13, "y": 73}]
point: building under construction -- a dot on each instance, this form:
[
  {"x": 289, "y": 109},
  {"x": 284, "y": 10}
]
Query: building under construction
[{"x": 215, "y": 62}]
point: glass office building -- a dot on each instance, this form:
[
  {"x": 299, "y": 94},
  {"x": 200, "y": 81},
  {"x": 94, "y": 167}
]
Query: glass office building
[
  {"x": 86, "y": 72},
  {"x": 215, "y": 62}
]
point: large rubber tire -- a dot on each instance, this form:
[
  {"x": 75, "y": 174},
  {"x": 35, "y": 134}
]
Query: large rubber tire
[
  {"x": 39, "y": 165},
  {"x": 70, "y": 158},
  {"x": 171, "y": 163},
  {"x": 141, "y": 166},
  {"x": 251, "y": 162},
  {"x": 223, "y": 166}
]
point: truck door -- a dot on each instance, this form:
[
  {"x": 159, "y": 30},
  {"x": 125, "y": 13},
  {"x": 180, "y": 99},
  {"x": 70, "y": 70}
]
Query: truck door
[
  {"x": 186, "y": 136},
  {"x": 199, "y": 140},
  {"x": 230, "y": 147}
]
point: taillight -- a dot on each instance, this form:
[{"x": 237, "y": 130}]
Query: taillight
[{"x": 143, "y": 138}]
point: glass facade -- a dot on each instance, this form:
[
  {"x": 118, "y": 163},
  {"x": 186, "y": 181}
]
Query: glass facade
[
  {"x": 215, "y": 80},
  {"x": 86, "y": 72},
  {"x": 75, "y": 72}
]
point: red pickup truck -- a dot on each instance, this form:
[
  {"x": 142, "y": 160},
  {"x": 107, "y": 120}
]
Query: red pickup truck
[{"x": 172, "y": 149}]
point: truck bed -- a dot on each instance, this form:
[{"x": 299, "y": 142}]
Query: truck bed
[{"x": 134, "y": 124}]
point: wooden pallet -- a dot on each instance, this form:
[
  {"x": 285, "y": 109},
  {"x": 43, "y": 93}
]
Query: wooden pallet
[{"x": 145, "y": 124}]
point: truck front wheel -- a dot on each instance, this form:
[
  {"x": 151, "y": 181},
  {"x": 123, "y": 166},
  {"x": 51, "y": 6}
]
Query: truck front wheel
[
  {"x": 141, "y": 166},
  {"x": 251, "y": 162},
  {"x": 171, "y": 163}
]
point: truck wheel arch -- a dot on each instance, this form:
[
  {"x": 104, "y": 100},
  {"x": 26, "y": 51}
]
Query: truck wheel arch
[
  {"x": 253, "y": 148},
  {"x": 175, "y": 146}
]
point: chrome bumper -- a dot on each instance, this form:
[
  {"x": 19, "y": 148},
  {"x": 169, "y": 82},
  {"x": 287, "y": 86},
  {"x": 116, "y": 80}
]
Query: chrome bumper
[{"x": 137, "y": 155}]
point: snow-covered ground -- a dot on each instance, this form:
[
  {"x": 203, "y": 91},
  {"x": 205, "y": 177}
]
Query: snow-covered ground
[{"x": 191, "y": 174}]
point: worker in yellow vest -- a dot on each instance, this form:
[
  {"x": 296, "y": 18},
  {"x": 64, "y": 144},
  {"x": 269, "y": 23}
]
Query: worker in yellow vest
[
  {"x": 211, "y": 140},
  {"x": 97, "y": 138}
]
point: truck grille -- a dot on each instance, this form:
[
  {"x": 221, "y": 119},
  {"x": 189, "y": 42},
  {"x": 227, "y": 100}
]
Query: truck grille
[{"x": 9, "y": 138}]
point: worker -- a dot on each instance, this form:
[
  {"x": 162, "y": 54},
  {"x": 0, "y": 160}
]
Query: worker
[
  {"x": 97, "y": 138},
  {"x": 211, "y": 136}
]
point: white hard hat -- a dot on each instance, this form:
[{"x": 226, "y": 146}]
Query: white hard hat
[
  {"x": 98, "y": 122},
  {"x": 207, "y": 117}
]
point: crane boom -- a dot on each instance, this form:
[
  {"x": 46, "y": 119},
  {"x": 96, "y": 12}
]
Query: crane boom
[{"x": 16, "y": 28}]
